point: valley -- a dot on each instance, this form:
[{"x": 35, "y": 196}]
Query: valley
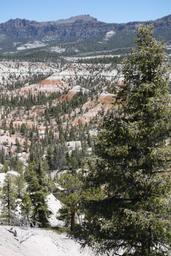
[{"x": 84, "y": 137}]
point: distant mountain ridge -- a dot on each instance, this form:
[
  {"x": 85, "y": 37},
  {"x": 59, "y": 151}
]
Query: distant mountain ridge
[
  {"x": 86, "y": 18},
  {"x": 61, "y": 30},
  {"x": 78, "y": 29}
]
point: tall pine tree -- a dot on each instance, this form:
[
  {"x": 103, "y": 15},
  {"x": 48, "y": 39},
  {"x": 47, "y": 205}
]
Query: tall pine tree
[
  {"x": 132, "y": 174},
  {"x": 37, "y": 188},
  {"x": 70, "y": 196},
  {"x": 9, "y": 197}
]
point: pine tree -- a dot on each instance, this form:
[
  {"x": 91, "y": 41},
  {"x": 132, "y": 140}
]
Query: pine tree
[
  {"x": 20, "y": 181},
  {"x": 6, "y": 167},
  {"x": 9, "y": 196},
  {"x": 70, "y": 196},
  {"x": 38, "y": 190},
  {"x": 130, "y": 213},
  {"x": 26, "y": 209}
]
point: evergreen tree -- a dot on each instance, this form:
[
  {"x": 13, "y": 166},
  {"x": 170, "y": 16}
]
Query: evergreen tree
[
  {"x": 9, "y": 196},
  {"x": 38, "y": 190},
  {"x": 70, "y": 196},
  {"x": 20, "y": 181},
  {"x": 130, "y": 214},
  {"x": 26, "y": 208},
  {"x": 6, "y": 167}
]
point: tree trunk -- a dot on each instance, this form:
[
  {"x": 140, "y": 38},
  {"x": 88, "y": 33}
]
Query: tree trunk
[
  {"x": 72, "y": 221},
  {"x": 9, "y": 204},
  {"x": 146, "y": 248}
]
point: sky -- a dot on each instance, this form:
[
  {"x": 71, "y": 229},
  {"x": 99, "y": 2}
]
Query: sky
[{"x": 105, "y": 10}]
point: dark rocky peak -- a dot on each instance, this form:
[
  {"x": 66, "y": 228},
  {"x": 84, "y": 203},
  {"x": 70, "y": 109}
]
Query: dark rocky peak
[
  {"x": 163, "y": 21},
  {"x": 82, "y": 18},
  {"x": 18, "y": 23}
]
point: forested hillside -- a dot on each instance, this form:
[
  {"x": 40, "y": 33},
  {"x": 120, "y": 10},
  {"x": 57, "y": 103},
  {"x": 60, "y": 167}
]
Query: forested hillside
[{"x": 85, "y": 145}]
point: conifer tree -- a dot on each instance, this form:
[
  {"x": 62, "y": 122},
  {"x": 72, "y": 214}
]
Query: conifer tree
[
  {"x": 9, "y": 196},
  {"x": 6, "y": 167},
  {"x": 20, "y": 181},
  {"x": 38, "y": 190},
  {"x": 26, "y": 209},
  {"x": 130, "y": 215},
  {"x": 70, "y": 196}
]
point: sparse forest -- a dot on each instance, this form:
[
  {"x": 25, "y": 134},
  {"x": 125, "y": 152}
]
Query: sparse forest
[{"x": 85, "y": 145}]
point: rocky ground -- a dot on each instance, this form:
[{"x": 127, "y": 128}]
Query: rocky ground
[{"x": 16, "y": 241}]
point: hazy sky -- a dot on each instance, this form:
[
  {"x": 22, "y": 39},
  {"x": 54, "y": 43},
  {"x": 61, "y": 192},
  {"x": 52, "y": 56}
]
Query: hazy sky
[{"x": 105, "y": 10}]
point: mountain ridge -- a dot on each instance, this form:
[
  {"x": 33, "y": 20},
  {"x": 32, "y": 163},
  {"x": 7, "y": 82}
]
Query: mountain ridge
[
  {"x": 83, "y": 29},
  {"x": 87, "y": 17}
]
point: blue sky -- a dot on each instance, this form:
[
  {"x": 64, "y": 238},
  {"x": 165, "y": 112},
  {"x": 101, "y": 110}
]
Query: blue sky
[{"x": 105, "y": 10}]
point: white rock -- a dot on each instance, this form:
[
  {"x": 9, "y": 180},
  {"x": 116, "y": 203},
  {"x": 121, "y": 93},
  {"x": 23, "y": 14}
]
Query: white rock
[
  {"x": 17, "y": 241},
  {"x": 53, "y": 206}
]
